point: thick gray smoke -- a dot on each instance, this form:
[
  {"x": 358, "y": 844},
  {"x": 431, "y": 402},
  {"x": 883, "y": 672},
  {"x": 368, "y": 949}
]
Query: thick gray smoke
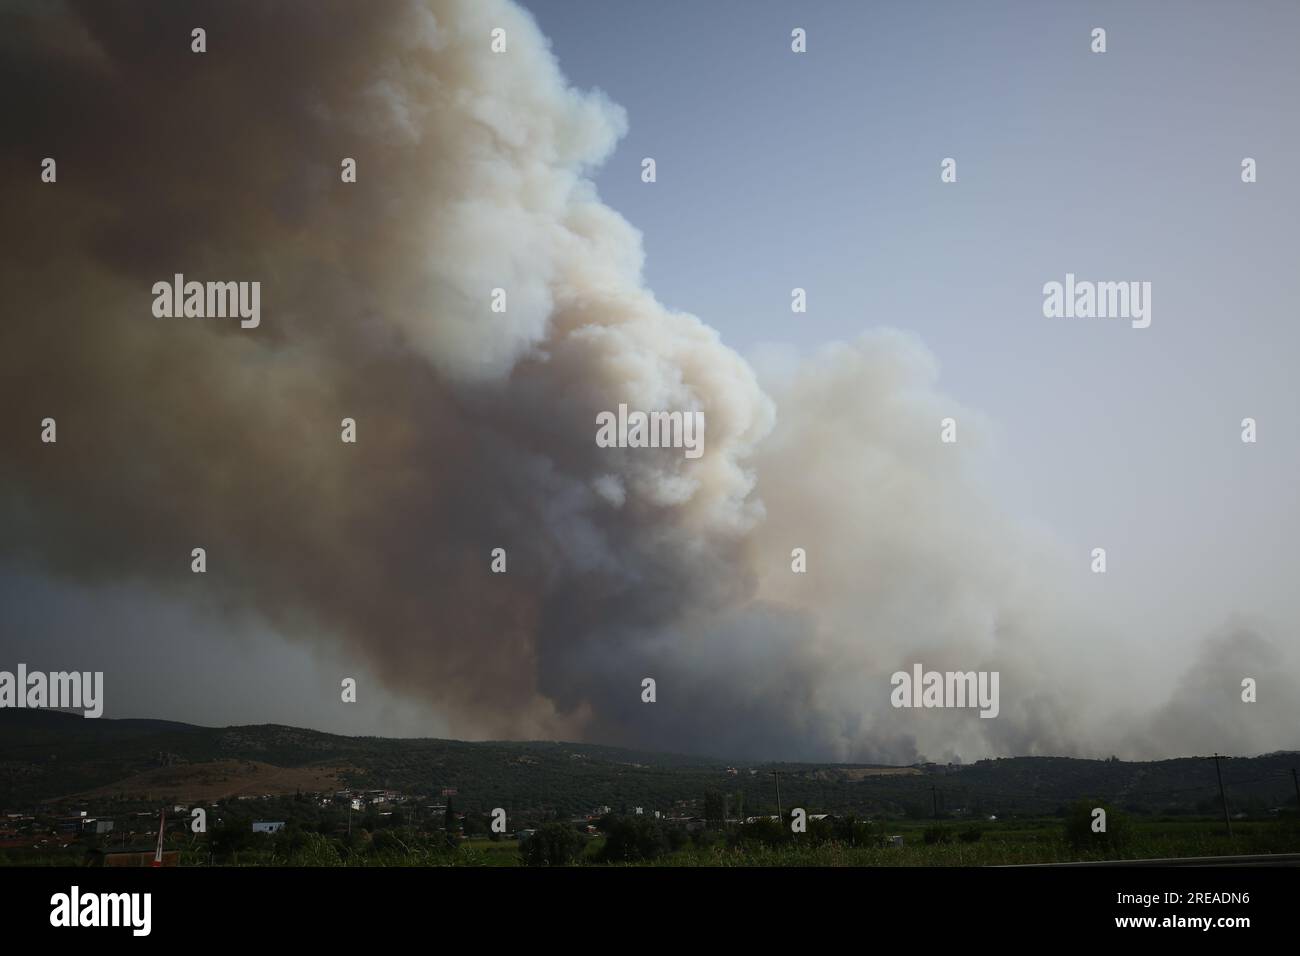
[{"x": 476, "y": 428}]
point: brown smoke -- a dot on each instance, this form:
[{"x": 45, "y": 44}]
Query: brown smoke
[{"x": 475, "y": 428}]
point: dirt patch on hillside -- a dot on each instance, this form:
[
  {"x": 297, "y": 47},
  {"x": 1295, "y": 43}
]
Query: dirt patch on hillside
[
  {"x": 862, "y": 773},
  {"x": 218, "y": 779}
]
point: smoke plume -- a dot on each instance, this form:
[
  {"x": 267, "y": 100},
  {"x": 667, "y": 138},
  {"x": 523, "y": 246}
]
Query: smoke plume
[{"x": 476, "y": 428}]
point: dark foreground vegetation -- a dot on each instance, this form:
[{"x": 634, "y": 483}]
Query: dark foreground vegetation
[
  {"x": 620, "y": 840},
  {"x": 75, "y": 791}
]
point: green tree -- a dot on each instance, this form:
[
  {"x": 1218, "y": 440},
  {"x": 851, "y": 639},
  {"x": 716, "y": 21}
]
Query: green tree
[
  {"x": 764, "y": 830},
  {"x": 554, "y": 844},
  {"x": 634, "y": 838}
]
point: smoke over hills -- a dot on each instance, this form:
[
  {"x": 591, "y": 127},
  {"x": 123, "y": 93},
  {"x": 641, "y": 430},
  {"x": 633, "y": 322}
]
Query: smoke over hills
[{"x": 475, "y": 428}]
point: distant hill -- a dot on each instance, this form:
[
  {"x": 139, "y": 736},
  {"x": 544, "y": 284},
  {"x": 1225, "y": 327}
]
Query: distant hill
[{"x": 46, "y": 756}]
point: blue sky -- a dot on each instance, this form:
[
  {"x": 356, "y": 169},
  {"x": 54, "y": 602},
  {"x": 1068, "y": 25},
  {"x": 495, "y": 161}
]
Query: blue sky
[{"x": 821, "y": 170}]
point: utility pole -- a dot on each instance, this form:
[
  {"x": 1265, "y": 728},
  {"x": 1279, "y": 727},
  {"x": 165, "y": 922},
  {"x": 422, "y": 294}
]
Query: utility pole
[
  {"x": 934, "y": 799},
  {"x": 1296, "y": 781},
  {"x": 777, "y": 775},
  {"x": 162, "y": 829},
  {"x": 1219, "y": 773}
]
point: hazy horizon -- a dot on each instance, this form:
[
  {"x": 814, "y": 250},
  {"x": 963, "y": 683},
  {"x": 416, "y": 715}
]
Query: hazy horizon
[{"x": 721, "y": 758}]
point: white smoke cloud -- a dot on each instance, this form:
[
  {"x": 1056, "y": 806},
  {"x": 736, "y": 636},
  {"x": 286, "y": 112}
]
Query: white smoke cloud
[{"x": 476, "y": 428}]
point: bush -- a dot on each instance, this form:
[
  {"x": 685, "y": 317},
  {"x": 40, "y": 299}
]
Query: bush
[
  {"x": 970, "y": 834},
  {"x": 629, "y": 839},
  {"x": 763, "y": 831},
  {"x": 1081, "y": 836},
  {"x": 820, "y": 832},
  {"x": 937, "y": 834},
  {"x": 677, "y": 837},
  {"x": 703, "y": 839},
  {"x": 554, "y": 844},
  {"x": 315, "y": 850},
  {"x": 851, "y": 831},
  {"x": 392, "y": 840}
]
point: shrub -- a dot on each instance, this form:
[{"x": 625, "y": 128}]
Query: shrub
[
  {"x": 315, "y": 850},
  {"x": 554, "y": 844},
  {"x": 629, "y": 839},
  {"x": 763, "y": 831},
  {"x": 1081, "y": 836},
  {"x": 937, "y": 834},
  {"x": 851, "y": 831},
  {"x": 703, "y": 839}
]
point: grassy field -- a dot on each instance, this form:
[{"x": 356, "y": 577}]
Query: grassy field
[
  {"x": 1001, "y": 843},
  {"x": 1017, "y": 842}
]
